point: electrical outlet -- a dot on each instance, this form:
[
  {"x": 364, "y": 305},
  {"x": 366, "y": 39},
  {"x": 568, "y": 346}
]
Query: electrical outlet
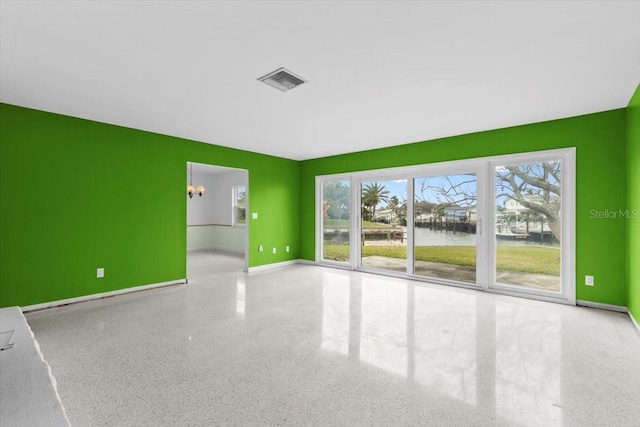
[
  {"x": 260, "y": 248},
  {"x": 254, "y": 215},
  {"x": 287, "y": 249},
  {"x": 274, "y": 250},
  {"x": 100, "y": 273},
  {"x": 589, "y": 281}
]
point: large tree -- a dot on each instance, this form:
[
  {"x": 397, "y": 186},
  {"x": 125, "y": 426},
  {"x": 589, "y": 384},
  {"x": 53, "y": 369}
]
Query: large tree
[
  {"x": 335, "y": 202},
  {"x": 536, "y": 186},
  {"x": 373, "y": 194},
  {"x": 443, "y": 191}
]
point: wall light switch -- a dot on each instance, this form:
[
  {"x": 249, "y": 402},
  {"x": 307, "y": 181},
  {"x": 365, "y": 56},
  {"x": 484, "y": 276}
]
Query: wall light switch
[
  {"x": 287, "y": 249},
  {"x": 274, "y": 250},
  {"x": 589, "y": 280},
  {"x": 100, "y": 273},
  {"x": 254, "y": 215},
  {"x": 260, "y": 248}
]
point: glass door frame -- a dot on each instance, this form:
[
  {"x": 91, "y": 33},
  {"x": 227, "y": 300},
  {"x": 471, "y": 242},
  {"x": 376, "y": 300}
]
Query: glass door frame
[
  {"x": 458, "y": 168},
  {"x": 381, "y": 175},
  {"x": 484, "y": 167},
  {"x": 567, "y": 291},
  {"x": 319, "y": 196}
]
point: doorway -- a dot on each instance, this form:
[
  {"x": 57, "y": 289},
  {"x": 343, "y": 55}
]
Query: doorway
[{"x": 217, "y": 230}]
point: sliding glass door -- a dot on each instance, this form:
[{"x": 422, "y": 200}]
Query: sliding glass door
[
  {"x": 504, "y": 224},
  {"x": 382, "y": 225},
  {"x": 528, "y": 225},
  {"x": 445, "y": 218},
  {"x": 336, "y": 221}
]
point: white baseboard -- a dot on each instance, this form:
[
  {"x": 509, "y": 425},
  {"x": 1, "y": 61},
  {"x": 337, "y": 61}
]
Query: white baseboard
[
  {"x": 618, "y": 308},
  {"x": 634, "y": 321},
  {"x": 273, "y": 266},
  {"x": 610, "y": 307},
  {"x": 67, "y": 301},
  {"x": 306, "y": 262},
  {"x": 216, "y": 248}
]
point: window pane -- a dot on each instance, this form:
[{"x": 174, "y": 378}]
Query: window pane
[
  {"x": 335, "y": 221},
  {"x": 528, "y": 226},
  {"x": 240, "y": 216},
  {"x": 384, "y": 224},
  {"x": 445, "y": 227},
  {"x": 240, "y": 203}
]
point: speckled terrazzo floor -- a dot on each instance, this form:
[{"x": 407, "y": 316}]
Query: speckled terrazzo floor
[{"x": 307, "y": 345}]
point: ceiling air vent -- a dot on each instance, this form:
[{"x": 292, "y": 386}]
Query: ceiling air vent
[{"x": 282, "y": 79}]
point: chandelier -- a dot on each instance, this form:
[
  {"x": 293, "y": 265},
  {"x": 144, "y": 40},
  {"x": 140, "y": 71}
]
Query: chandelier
[{"x": 191, "y": 189}]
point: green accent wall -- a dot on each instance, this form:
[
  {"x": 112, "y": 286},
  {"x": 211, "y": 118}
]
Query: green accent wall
[
  {"x": 78, "y": 195},
  {"x": 633, "y": 223},
  {"x": 601, "y": 184}
]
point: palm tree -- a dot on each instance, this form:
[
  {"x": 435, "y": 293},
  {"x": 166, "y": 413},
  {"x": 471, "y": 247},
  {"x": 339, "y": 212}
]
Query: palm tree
[
  {"x": 372, "y": 194},
  {"x": 394, "y": 205}
]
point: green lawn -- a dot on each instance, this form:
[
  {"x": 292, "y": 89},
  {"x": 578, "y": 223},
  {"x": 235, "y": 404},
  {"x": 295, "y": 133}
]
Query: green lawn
[
  {"x": 344, "y": 224},
  {"x": 526, "y": 259}
]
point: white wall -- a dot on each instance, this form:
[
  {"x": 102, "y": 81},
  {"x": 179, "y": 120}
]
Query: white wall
[
  {"x": 221, "y": 237},
  {"x": 209, "y": 216},
  {"x": 214, "y": 207}
]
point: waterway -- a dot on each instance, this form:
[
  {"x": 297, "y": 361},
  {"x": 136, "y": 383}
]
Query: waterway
[{"x": 427, "y": 237}]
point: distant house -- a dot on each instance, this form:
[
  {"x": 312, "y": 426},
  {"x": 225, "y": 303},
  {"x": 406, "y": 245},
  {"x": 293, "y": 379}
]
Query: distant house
[
  {"x": 452, "y": 213},
  {"x": 384, "y": 215},
  {"x": 514, "y": 207},
  {"x": 461, "y": 214}
]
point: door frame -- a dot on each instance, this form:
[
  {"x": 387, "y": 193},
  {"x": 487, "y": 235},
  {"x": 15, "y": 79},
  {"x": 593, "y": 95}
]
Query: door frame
[
  {"x": 567, "y": 218},
  {"x": 485, "y": 213},
  {"x": 245, "y": 227}
]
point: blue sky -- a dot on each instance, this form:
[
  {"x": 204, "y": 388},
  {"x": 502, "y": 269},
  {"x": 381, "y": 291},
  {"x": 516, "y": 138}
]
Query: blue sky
[{"x": 399, "y": 187}]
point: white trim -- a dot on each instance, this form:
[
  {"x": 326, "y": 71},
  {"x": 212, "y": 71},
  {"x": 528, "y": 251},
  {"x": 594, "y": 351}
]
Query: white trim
[
  {"x": 100, "y": 295},
  {"x": 215, "y": 248},
  {"x": 247, "y": 212},
  {"x": 602, "y": 306},
  {"x": 411, "y": 213},
  {"x": 272, "y": 266},
  {"x": 343, "y": 266},
  {"x": 528, "y": 294},
  {"x": 307, "y": 262},
  {"x": 446, "y": 282},
  {"x": 633, "y": 320},
  {"x": 319, "y": 210},
  {"x": 568, "y": 254}
]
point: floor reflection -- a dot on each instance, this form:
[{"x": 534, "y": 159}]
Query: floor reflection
[
  {"x": 445, "y": 343},
  {"x": 471, "y": 348},
  {"x": 335, "y": 316},
  {"x": 240, "y": 295},
  {"x": 528, "y": 380},
  {"x": 383, "y": 335}
]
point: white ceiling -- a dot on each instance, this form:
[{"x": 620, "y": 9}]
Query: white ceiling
[{"x": 380, "y": 73}]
